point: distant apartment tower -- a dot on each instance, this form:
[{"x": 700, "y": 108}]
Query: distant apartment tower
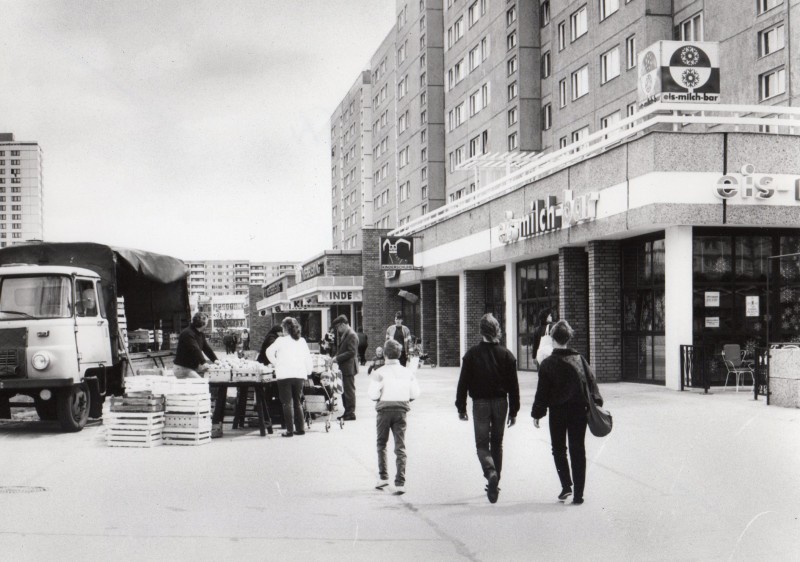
[
  {"x": 21, "y": 191},
  {"x": 231, "y": 277},
  {"x": 351, "y": 165}
]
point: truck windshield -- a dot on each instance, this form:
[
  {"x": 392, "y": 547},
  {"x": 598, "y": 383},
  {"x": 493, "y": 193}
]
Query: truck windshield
[{"x": 45, "y": 296}]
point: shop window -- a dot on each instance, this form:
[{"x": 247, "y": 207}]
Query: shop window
[{"x": 537, "y": 290}]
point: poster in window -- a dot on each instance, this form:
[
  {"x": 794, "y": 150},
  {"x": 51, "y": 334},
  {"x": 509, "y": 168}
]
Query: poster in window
[
  {"x": 712, "y": 298},
  {"x": 751, "y": 306},
  {"x": 712, "y": 322}
]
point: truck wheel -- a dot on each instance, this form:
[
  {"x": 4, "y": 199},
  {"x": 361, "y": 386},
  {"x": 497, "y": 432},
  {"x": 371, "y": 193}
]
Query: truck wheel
[
  {"x": 73, "y": 407},
  {"x": 46, "y": 409}
]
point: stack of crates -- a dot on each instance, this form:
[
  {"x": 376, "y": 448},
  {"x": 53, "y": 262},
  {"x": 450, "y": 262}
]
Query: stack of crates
[
  {"x": 188, "y": 413},
  {"x": 136, "y": 420}
]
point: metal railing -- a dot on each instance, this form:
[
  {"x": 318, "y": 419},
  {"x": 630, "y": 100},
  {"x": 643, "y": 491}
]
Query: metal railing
[
  {"x": 761, "y": 373},
  {"x": 693, "y": 368},
  {"x": 724, "y": 118}
]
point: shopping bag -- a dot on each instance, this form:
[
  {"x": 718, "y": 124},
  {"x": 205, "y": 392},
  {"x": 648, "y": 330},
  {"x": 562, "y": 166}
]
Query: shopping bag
[{"x": 545, "y": 346}]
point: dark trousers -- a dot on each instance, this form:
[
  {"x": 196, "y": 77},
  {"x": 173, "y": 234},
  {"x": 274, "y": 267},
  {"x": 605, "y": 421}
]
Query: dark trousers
[
  {"x": 219, "y": 405},
  {"x": 394, "y": 421},
  {"x": 568, "y": 425},
  {"x": 489, "y": 420},
  {"x": 349, "y": 394},
  {"x": 290, "y": 391}
]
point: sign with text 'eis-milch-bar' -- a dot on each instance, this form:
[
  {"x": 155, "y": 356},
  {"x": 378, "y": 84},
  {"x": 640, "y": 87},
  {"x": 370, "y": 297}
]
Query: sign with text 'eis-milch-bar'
[{"x": 679, "y": 71}]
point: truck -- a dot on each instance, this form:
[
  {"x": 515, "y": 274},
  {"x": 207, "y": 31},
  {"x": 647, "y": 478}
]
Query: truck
[{"x": 64, "y": 311}]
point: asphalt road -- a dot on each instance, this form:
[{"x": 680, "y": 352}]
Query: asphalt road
[{"x": 682, "y": 477}]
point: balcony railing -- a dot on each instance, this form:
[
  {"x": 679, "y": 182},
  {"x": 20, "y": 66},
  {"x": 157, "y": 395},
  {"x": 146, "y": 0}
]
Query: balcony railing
[{"x": 666, "y": 116}]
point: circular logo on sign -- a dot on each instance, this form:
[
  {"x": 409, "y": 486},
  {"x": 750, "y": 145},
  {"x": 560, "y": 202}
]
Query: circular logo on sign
[
  {"x": 650, "y": 63},
  {"x": 690, "y": 67},
  {"x": 690, "y": 56},
  {"x": 690, "y": 78}
]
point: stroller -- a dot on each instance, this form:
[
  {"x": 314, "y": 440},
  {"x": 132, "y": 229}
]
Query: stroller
[
  {"x": 417, "y": 356},
  {"x": 319, "y": 394}
]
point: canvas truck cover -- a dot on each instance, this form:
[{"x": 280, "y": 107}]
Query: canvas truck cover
[{"x": 153, "y": 285}]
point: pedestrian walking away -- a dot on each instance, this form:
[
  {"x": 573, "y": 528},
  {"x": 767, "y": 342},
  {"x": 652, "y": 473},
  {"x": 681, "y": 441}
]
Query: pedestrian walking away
[
  {"x": 346, "y": 358},
  {"x": 363, "y": 342},
  {"x": 402, "y": 335},
  {"x": 489, "y": 377},
  {"x": 292, "y": 360},
  {"x": 245, "y": 340},
  {"x": 394, "y": 387},
  {"x": 560, "y": 390}
]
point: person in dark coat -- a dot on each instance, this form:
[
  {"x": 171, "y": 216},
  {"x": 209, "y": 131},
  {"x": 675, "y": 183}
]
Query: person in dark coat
[
  {"x": 346, "y": 358},
  {"x": 274, "y": 333},
  {"x": 362, "y": 346},
  {"x": 560, "y": 390},
  {"x": 489, "y": 376}
]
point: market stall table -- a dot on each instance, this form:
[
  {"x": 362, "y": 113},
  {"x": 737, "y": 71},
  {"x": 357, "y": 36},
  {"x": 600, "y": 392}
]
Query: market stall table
[{"x": 261, "y": 402}]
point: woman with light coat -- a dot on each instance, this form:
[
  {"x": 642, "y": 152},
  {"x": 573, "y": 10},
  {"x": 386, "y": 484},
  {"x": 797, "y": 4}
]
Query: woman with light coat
[{"x": 292, "y": 360}]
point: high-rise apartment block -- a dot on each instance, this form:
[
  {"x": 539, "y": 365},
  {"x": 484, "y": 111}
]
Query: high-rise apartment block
[
  {"x": 231, "y": 277},
  {"x": 462, "y": 91},
  {"x": 21, "y": 201}
]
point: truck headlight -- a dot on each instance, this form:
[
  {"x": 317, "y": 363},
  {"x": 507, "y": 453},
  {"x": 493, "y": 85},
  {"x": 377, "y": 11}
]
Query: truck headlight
[{"x": 40, "y": 360}]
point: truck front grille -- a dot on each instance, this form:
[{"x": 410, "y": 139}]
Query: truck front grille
[{"x": 8, "y": 363}]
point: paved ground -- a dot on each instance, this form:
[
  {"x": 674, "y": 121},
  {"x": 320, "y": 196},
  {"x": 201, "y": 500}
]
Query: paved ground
[{"x": 682, "y": 477}]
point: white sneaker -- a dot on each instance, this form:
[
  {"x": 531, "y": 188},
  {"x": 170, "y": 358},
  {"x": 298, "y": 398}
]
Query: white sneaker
[
  {"x": 381, "y": 484},
  {"x": 399, "y": 490}
]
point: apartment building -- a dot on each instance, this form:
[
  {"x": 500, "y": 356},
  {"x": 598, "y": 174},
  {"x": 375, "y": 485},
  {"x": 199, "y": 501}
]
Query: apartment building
[
  {"x": 493, "y": 93},
  {"x": 351, "y": 165},
  {"x": 231, "y": 277},
  {"x": 21, "y": 191}
]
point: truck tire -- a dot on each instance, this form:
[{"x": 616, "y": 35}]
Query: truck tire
[
  {"x": 73, "y": 407},
  {"x": 46, "y": 408}
]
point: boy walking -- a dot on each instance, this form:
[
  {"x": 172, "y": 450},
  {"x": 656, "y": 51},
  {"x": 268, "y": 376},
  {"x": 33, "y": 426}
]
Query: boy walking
[{"x": 393, "y": 388}]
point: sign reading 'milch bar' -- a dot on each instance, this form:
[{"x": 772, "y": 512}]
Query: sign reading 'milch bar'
[{"x": 679, "y": 71}]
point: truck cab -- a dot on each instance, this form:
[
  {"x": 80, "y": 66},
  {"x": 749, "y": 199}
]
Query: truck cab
[{"x": 53, "y": 337}]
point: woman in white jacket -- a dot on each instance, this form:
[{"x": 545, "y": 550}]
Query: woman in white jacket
[{"x": 292, "y": 360}]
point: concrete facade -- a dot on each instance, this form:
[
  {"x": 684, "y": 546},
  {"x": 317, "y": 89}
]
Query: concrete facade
[{"x": 21, "y": 191}]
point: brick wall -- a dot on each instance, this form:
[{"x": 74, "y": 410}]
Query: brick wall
[
  {"x": 573, "y": 301},
  {"x": 344, "y": 265},
  {"x": 447, "y": 322},
  {"x": 259, "y": 325},
  {"x": 427, "y": 311},
  {"x": 475, "y": 305},
  {"x": 605, "y": 304},
  {"x": 379, "y": 303}
]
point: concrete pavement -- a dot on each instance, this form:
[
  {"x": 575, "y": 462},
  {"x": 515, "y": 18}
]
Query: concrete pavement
[{"x": 683, "y": 476}]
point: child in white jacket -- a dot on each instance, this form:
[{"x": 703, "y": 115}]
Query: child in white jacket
[{"x": 393, "y": 387}]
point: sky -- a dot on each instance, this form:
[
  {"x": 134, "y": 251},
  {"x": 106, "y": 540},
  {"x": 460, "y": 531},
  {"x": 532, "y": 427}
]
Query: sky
[{"x": 198, "y": 129}]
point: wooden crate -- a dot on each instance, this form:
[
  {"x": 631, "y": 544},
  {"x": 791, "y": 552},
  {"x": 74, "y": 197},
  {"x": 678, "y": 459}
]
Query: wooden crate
[
  {"x": 134, "y": 438},
  {"x": 186, "y": 436},
  {"x": 188, "y": 404},
  {"x": 129, "y": 403},
  {"x": 187, "y": 421},
  {"x": 134, "y": 420}
]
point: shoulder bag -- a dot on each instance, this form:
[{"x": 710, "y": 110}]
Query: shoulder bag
[
  {"x": 545, "y": 346},
  {"x": 599, "y": 419}
]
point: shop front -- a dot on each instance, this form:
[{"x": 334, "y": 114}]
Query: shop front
[{"x": 640, "y": 248}]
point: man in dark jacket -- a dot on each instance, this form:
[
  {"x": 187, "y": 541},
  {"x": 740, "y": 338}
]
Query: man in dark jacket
[
  {"x": 273, "y": 334},
  {"x": 363, "y": 342},
  {"x": 489, "y": 376},
  {"x": 346, "y": 355}
]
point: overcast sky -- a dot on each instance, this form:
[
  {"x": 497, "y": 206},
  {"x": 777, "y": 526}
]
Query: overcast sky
[{"x": 198, "y": 129}]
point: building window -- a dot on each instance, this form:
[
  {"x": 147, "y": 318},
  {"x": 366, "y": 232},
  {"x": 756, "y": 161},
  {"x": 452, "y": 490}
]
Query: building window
[
  {"x": 691, "y": 29},
  {"x": 609, "y": 65},
  {"x": 578, "y": 25},
  {"x": 458, "y": 29},
  {"x": 511, "y": 65},
  {"x": 423, "y": 98},
  {"x": 474, "y": 57},
  {"x": 511, "y": 15},
  {"x": 630, "y": 52},
  {"x": 512, "y": 141},
  {"x": 423, "y": 117},
  {"x": 771, "y": 40},
  {"x": 630, "y": 109},
  {"x": 423, "y": 154},
  {"x": 544, "y": 13},
  {"x": 609, "y": 120},
  {"x": 402, "y": 123},
  {"x": 15, "y": 153},
  {"x": 401, "y": 53},
  {"x": 580, "y": 82},
  {"x": 547, "y": 116},
  {"x": 562, "y": 92},
  {"x": 546, "y": 64},
  {"x": 421, "y": 41},
  {"x": 512, "y": 91},
  {"x": 511, "y": 40},
  {"x": 562, "y": 36},
  {"x": 608, "y": 7},
  {"x": 423, "y": 134},
  {"x": 512, "y": 116},
  {"x": 474, "y": 146},
  {"x": 766, "y": 5},
  {"x": 422, "y": 80},
  {"x": 580, "y": 134},
  {"x": 771, "y": 84},
  {"x": 425, "y": 209},
  {"x": 403, "y": 157},
  {"x": 423, "y": 176}
]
